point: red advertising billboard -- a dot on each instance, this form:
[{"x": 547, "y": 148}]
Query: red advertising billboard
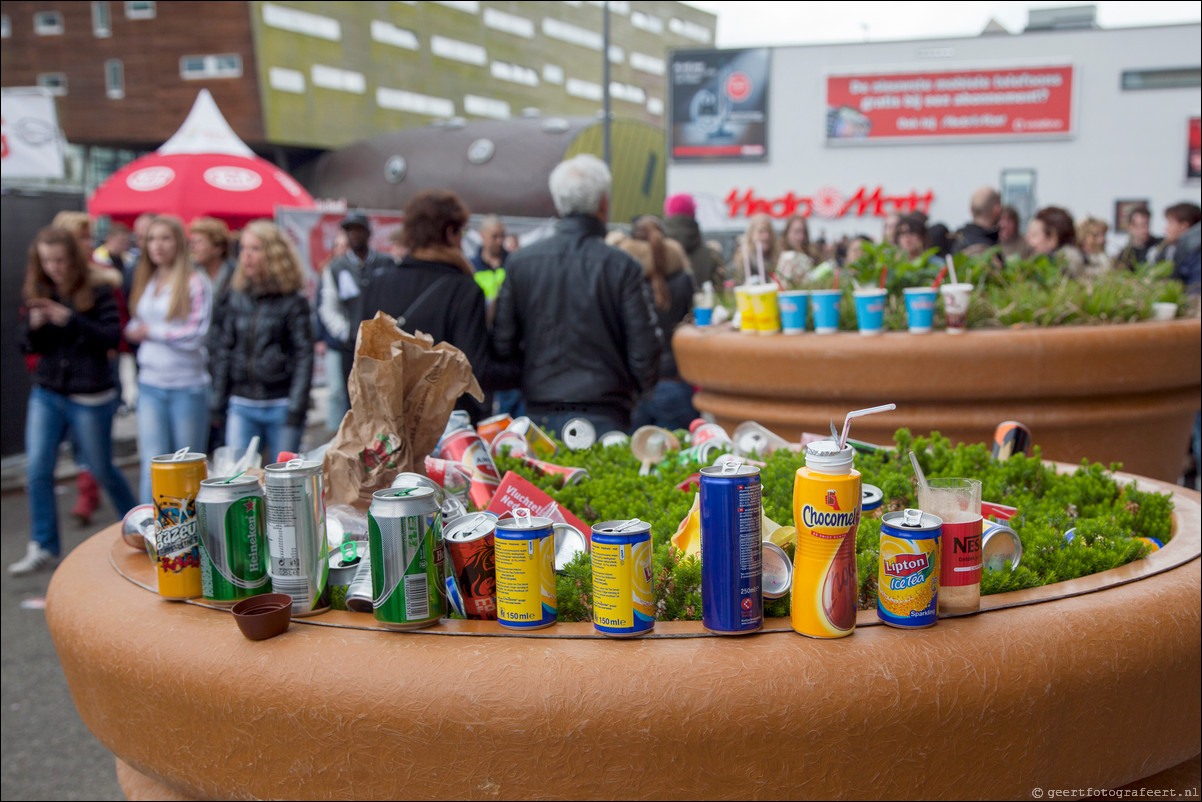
[{"x": 1022, "y": 102}]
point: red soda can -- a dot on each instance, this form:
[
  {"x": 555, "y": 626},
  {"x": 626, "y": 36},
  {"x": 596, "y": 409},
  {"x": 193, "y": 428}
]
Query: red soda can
[
  {"x": 514, "y": 443},
  {"x": 491, "y": 427},
  {"x": 470, "y": 543},
  {"x": 467, "y": 447},
  {"x": 452, "y": 477},
  {"x": 570, "y": 475}
]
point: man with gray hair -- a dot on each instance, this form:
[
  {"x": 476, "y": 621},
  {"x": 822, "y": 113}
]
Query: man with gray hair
[
  {"x": 982, "y": 233},
  {"x": 578, "y": 312}
]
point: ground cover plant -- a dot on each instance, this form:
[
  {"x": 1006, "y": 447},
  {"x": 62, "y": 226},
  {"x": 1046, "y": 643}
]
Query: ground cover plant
[{"x": 1108, "y": 516}]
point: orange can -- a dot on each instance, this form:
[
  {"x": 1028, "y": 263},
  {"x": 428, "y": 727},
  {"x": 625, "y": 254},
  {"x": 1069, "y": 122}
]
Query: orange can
[
  {"x": 174, "y": 482},
  {"x": 826, "y": 511},
  {"x": 489, "y": 428}
]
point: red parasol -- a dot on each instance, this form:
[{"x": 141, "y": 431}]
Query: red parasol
[{"x": 203, "y": 170}]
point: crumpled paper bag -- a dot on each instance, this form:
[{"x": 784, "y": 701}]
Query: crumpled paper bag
[{"x": 402, "y": 390}]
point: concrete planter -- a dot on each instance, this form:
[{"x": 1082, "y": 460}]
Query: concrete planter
[{"x": 1121, "y": 393}]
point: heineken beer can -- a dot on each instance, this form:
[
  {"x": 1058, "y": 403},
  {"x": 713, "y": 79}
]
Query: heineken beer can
[
  {"x": 174, "y": 483},
  {"x": 296, "y": 535},
  {"x": 233, "y": 545},
  {"x": 404, "y": 530}
]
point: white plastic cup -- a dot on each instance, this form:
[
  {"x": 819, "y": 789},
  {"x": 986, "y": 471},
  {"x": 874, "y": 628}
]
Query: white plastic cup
[
  {"x": 1164, "y": 311},
  {"x": 956, "y": 298}
]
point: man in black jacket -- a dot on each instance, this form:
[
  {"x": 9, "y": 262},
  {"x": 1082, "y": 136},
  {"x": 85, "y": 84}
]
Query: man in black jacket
[
  {"x": 578, "y": 313},
  {"x": 981, "y": 234}
]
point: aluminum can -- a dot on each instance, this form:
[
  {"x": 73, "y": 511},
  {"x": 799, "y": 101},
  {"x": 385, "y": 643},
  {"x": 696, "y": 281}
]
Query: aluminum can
[
  {"x": 778, "y": 571},
  {"x": 544, "y": 447},
  {"x": 471, "y": 548},
  {"x": 1000, "y": 546},
  {"x": 296, "y": 535},
  {"x": 907, "y": 590},
  {"x": 174, "y": 483},
  {"x": 1010, "y": 438},
  {"x": 489, "y": 428},
  {"x": 614, "y": 438},
  {"x": 467, "y": 447},
  {"x": 732, "y": 600},
  {"x": 623, "y": 581},
  {"x": 358, "y": 594},
  {"x": 231, "y": 517},
  {"x": 826, "y": 512},
  {"x": 709, "y": 432},
  {"x": 579, "y": 434},
  {"x": 525, "y": 558},
  {"x": 569, "y": 541},
  {"x": 344, "y": 566},
  {"x": 407, "y": 585},
  {"x": 509, "y": 444}
]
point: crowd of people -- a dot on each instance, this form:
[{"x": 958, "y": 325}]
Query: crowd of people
[{"x": 577, "y": 324}]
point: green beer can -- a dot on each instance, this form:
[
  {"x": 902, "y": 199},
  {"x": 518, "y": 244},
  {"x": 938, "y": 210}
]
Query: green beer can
[
  {"x": 233, "y": 548},
  {"x": 404, "y": 530}
]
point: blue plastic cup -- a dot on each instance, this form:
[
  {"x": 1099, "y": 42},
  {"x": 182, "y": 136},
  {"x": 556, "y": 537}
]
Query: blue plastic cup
[
  {"x": 870, "y": 311},
  {"x": 703, "y": 315},
  {"x": 826, "y": 310},
  {"x": 794, "y": 305},
  {"x": 920, "y": 308}
]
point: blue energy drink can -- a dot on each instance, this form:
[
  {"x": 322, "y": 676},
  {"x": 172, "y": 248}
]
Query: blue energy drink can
[
  {"x": 732, "y": 601},
  {"x": 525, "y": 564}
]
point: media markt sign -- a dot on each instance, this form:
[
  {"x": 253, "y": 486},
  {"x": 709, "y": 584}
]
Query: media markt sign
[{"x": 829, "y": 203}]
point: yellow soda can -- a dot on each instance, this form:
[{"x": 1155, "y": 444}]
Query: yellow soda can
[
  {"x": 623, "y": 582},
  {"x": 826, "y": 512},
  {"x": 908, "y": 569},
  {"x": 525, "y": 564},
  {"x": 174, "y": 482}
]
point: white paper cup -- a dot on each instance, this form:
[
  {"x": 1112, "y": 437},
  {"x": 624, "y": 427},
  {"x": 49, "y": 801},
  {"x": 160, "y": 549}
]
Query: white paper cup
[
  {"x": 955, "y": 305},
  {"x": 1164, "y": 311}
]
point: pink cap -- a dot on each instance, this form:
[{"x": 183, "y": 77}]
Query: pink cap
[{"x": 681, "y": 203}]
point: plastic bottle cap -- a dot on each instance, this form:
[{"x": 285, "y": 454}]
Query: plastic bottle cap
[{"x": 825, "y": 456}]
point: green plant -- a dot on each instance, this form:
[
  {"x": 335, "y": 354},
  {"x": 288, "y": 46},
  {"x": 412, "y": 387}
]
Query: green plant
[{"x": 1108, "y": 516}]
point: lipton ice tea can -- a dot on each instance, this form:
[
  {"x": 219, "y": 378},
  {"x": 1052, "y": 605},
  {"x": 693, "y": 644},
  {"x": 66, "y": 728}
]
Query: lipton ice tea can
[
  {"x": 826, "y": 511},
  {"x": 525, "y": 564},
  {"x": 623, "y": 583},
  {"x": 907, "y": 589},
  {"x": 174, "y": 483}
]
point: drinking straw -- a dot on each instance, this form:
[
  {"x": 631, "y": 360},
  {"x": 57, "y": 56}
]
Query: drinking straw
[
  {"x": 836, "y": 278},
  {"x": 759, "y": 258},
  {"x": 884, "y": 270},
  {"x": 951, "y": 265},
  {"x": 922, "y": 479},
  {"x": 939, "y": 278},
  {"x": 746, "y": 260},
  {"x": 232, "y": 478},
  {"x": 857, "y": 414}
]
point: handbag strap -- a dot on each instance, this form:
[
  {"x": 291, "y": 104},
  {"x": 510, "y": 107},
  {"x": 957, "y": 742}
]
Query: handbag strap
[{"x": 403, "y": 319}]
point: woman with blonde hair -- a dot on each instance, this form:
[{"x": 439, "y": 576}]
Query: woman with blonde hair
[
  {"x": 71, "y": 325},
  {"x": 1091, "y": 238},
  {"x": 171, "y": 303},
  {"x": 759, "y": 238},
  {"x": 263, "y": 352}
]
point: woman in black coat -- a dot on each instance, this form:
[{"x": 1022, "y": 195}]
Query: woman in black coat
[{"x": 262, "y": 359}]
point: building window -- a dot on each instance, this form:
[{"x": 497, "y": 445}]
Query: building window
[
  {"x": 48, "y": 23},
  {"x": 114, "y": 78},
  {"x": 56, "y": 82},
  {"x": 140, "y": 9},
  {"x": 102, "y": 20},
  {"x": 1173, "y": 78},
  {"x": 291, "y": 19},
  {"x": 225, "y": 65},
  {"x": 6, "y": 27}
]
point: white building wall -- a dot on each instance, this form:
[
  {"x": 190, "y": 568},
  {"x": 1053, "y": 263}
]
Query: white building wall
[{"x": 1125, "y": 144}]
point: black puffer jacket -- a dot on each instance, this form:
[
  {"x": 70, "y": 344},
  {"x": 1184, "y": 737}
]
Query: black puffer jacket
[
  {"x": 580, "y": 315},
  {"x": 74, "y": 357},
  {"x": 264, "y": 351}
]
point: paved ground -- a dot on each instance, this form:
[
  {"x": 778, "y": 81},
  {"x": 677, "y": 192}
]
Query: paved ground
[{"x": 47, "y": 751}]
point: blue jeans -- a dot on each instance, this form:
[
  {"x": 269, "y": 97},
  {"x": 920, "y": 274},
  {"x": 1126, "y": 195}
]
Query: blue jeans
[
  {"x": 47, "y": 421},
  {"x": 669, "y": 405},
  {"x": 338, "y": 404},
  {"x": 244, "y": 421},
  {"x": 168, "y": 420}
]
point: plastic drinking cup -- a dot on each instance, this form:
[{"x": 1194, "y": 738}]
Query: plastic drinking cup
[
  {"x": 794, "y": 305},
  {"x": 920, "y": 308},
  {"x": 703, "y": 315},
  {"x": 826, "y": 310},
  {"x": 1164, "y": 311},
  {"x": 747, "y": 319},
  {"x": 870, "y": 311},
  {"x": 955, "y": 305}
]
